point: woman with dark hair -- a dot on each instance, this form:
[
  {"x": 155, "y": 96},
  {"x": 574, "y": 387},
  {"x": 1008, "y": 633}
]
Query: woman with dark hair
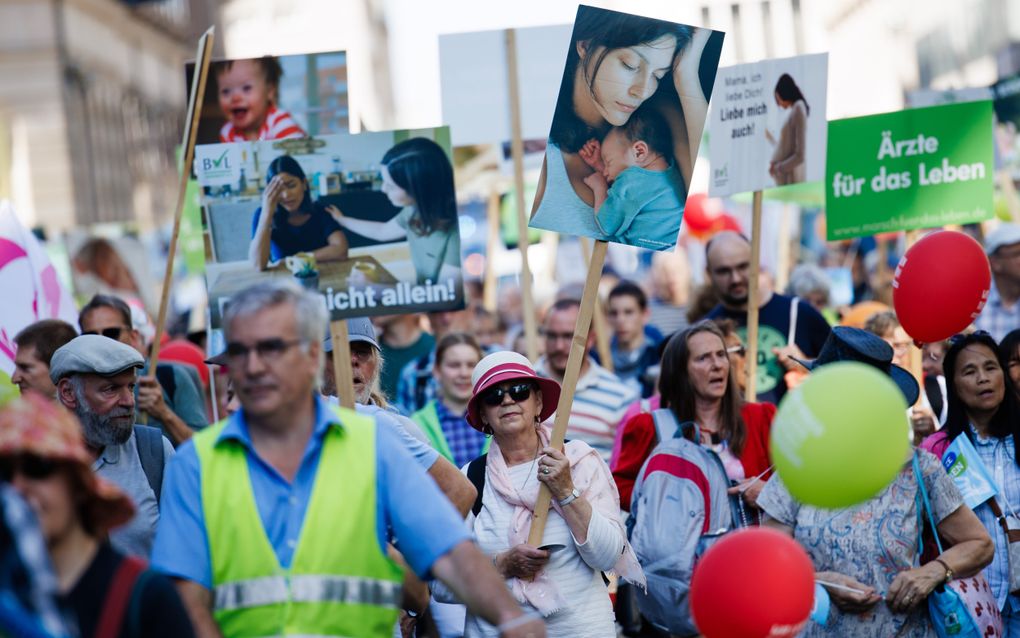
[
  {"x": 787, "y": 165},
  {"x": 981, "y": 408},
  {"x": 288, "y": 222},
  {"x": 615, "y": 64},
  {"x": 697, "y": 383},
  {"x": 418, "y": 176},
  {"x": 1009, "y": 356}
]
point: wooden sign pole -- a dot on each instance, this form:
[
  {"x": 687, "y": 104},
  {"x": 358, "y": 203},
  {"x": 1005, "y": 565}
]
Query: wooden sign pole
[
  {"x": 202, "y": 57},
  {"x": 599, "y": 317},
  {"x": 342, "y": 363},
  {"x": 491, "y": 246},
  {"x": 517, "y": 151},
  {"x": 753, "y": 298},
  {"x": 570, "y": 376}
]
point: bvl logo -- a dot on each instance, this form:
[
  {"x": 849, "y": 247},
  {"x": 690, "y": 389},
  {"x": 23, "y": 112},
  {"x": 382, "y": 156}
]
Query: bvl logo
[{"x": 221, "y": 163}]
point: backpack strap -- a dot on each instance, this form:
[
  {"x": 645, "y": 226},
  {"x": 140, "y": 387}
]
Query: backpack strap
[
  {"x": 421, "y": 380},
  {"x": 792, "y": 334},
  {"x": 111, "y": 618},
  {"x": 476, "y": 474},
  {"x": 666, "y": 427},
  {"x": 149, "y": 442}
]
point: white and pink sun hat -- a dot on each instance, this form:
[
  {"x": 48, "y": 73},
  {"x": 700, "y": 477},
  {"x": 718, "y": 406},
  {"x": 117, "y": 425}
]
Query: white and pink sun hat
[{"x": 500, "y": 367}]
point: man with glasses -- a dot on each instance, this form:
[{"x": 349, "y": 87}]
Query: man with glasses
[
  {"x": 1001, "y": 313},
  {"x": 275, "y": 520},
  {"x": 786, "y": 325},
  {"x": 172, "y": 397},
  {"x": 601, "y": 398},
  {"x": 95, "y": 379}
]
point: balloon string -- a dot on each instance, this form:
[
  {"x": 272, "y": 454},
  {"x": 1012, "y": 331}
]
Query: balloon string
[{"x": 755, "y": 479}]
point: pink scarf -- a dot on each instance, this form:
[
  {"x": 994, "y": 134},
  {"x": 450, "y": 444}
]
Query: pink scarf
[{"x": 592, "y": 479}]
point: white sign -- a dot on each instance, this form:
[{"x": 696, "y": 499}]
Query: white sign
[{"x": 768, "y": 125}]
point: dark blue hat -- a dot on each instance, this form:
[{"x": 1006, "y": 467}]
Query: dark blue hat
[{"x": 853, "y": 344}]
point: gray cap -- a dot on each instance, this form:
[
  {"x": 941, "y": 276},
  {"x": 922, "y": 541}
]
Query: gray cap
[
  {"x": 358, "y": 329},
  {"x": 93, "y": 354},
  {"x": 1003, "y": 235}
]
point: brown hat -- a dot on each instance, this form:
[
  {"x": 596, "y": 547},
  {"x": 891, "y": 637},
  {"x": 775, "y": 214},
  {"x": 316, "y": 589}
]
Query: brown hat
[{"x": 35, "y": 425}]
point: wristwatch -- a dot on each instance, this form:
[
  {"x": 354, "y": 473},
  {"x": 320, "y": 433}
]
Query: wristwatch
[
  {"x": 949, "y": 570},
  {"x": 570, "y": 499}
]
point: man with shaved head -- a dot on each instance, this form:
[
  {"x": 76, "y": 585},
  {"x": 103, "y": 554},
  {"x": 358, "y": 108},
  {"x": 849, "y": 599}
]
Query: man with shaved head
[{"x": 785, "y": 324}]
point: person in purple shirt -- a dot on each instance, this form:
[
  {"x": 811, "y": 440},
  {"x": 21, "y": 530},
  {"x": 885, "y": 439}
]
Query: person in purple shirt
[{"x": 282, "y": 427}]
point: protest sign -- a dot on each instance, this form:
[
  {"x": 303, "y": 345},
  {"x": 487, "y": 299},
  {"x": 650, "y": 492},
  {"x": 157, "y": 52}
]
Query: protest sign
[
  {"x": 626, "y": 128},
  {"x": 968, "y": 472},
  {"x": 32, "y": 290},
  {"x": 918, "y": 168},
  {"x": 768, "y": 125},
  {"x": 274, "y": 97},
  {"x": 369, "y": 221}
]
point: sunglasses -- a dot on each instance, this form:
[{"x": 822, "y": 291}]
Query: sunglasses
[
  {"x": 27, "y": 465},
  {"x": 112, "y": 333},
  {"x": 737, "y": 350},
  {"x": 518, "y": 392}
]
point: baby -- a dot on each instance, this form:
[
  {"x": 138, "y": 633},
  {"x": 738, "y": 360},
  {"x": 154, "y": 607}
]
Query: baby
[
  {"x": 639, "y": 196},
  {"x": 247, "y": 92}
]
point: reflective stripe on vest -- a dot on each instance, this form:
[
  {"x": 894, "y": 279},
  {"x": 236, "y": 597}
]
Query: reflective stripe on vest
[
  {"x": 339, "y": 583},
  {"x": 307, "y": 589}
]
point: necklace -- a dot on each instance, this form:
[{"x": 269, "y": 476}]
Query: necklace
[{"x": 533, "y": 461}]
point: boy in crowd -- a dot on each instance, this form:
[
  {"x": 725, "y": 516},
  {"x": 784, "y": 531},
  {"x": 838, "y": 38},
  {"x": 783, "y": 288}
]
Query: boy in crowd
[{"x": 635, "y": 349}]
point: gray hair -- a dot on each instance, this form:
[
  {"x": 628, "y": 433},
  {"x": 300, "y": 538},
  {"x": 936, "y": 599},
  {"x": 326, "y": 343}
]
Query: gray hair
[
  {"x": 309, "y": 310},
  {"x": 808, "y": 278}
]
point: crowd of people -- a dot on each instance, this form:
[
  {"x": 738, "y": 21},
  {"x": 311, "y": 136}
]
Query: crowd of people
[{"x": 127, "y": 511}]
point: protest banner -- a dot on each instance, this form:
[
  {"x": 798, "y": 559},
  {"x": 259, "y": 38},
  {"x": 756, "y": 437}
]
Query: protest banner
[
  {"x": 32, "y": 289},
  {"x": 484, "y": 107},
  {"x": 368, "y": 221},
  {"x": 620, "y": 154},
  {"x": 289, "y": 96},
  {"x": 628, "y": 143},
  {"x": 768, "y": 125},
  {"x": 917, "y": 168}
]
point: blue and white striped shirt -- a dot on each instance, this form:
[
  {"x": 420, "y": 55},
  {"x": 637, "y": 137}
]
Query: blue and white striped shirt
[{"x": 999, "y": 456}]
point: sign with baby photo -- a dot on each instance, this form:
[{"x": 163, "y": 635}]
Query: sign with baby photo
[
  {"x": 768, "y": 125},
  {"x": 273, "y": 98},
  {"x": 918, "y": 168},
  {"x": 369, "y": 221},
  {"x": 625, "y": 132}
]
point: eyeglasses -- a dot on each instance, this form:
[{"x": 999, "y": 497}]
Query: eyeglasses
[
  {"x": 269, "y": 350},
  {"x": 518, "y": 392},
  {"x": 738, "y": 350},
  {"x": 112, "y": 333},
  {"x": 27, "y": 465}
]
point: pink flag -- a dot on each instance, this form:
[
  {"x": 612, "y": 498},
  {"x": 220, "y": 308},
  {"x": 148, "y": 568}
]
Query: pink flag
[{"x": 29, "y": 281}]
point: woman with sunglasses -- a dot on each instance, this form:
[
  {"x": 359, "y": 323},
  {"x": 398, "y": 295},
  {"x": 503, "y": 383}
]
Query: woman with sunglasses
[
  {"x": 699, "y": 383},
  {"x": 561, "y": 579},
  {"x": 43, "y": 456},
  {"x": 983, "y": 408}
]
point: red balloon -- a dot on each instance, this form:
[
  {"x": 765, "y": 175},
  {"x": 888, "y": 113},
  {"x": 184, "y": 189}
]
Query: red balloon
[
  {"x": 754, "y": 583},
  {"x": 941, "y": 285}
]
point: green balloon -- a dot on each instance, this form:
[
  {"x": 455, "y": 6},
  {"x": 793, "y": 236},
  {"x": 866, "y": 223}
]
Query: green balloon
[
  {"x": 8, "y": 390},
  {"x": 841, "y": 436}
]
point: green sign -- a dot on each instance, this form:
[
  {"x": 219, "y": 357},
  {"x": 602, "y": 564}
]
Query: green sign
[{"x": 919, "y": 168}]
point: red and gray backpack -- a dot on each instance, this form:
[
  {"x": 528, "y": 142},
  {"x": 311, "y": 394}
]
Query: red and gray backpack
[{"x": 679, "y": 508}]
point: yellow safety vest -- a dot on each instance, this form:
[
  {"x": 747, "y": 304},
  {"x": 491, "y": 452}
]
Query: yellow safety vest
[{"x": 339, "y": 583}]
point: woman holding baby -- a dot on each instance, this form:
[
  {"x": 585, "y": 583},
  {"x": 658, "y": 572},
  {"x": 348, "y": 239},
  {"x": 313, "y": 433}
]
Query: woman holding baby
[{"x": 614, "y": 69}]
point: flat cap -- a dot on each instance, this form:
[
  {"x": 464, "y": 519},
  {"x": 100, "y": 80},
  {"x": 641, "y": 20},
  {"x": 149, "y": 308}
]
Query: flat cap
[{"x": 93, "y": 354}]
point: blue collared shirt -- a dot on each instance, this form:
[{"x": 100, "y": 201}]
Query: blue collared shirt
[
  {"x": 409, "y": 503},
  {"x": 999, "y": 457}
]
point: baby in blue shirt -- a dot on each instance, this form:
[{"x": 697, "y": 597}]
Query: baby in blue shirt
[{"x": 639, "y": 196}]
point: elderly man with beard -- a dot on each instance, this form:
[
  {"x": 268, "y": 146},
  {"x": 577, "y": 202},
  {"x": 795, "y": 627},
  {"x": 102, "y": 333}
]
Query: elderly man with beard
[{"x": 95, "y": 378}]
